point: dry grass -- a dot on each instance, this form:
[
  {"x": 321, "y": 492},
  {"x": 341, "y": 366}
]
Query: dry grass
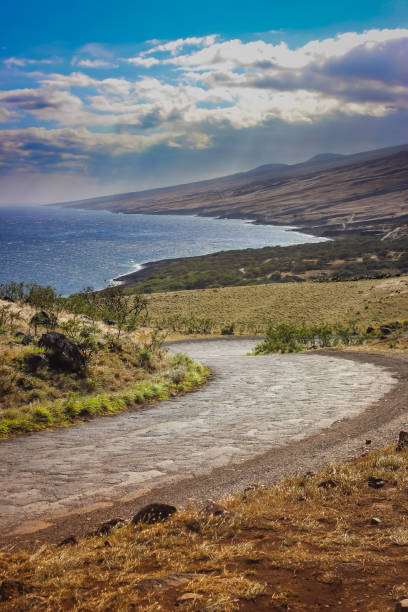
[
  {"x": 252, "y": 307},
  {"x": 300, "y": 545}
]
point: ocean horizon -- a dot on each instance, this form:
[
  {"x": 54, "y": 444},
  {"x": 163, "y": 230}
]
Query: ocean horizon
[{"x": 71, "y": 248}]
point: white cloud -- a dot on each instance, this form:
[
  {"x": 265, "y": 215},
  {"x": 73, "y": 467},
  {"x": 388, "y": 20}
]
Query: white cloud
[
  {"x": 146, "y": 62},
  {"x": 201, "y": 87},
  {"x": 96, "y": 50},
  {"x": 88, "y": 63},
  {"x": 20, "y": 62},
  {"x": 236, "y": 54},
  {"x": 173, "y": 45}
]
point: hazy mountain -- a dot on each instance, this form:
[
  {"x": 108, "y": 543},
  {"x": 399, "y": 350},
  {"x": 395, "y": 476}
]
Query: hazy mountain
[{"x": 328, "y": 194}]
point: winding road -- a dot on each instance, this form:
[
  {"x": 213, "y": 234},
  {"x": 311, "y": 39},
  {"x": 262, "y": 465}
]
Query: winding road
[{"x": 251, "y": 405}]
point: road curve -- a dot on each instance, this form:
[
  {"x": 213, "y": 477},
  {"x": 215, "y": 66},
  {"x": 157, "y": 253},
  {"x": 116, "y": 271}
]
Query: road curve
[{"x": 251, "y": 405}]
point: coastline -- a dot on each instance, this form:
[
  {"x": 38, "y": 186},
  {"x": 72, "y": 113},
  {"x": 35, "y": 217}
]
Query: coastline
[
  {"x": 143, "y": 269},
  {"x": 98, "y": 249}
]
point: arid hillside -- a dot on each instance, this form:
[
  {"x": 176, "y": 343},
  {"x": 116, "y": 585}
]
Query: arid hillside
[{"x": 328, "y": 195}]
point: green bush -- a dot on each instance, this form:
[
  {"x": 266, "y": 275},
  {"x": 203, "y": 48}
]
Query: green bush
[
  {"x": 145, "y": 358},
  {"x": 42, "y": 416}
]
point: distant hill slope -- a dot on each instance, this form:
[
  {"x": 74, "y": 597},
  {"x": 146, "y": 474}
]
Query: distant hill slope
[{"x": 328, "y": 195}]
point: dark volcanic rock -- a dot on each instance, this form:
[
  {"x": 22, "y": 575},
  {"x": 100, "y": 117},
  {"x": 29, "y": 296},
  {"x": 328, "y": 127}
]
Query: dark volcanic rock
[
  {"x": 27, "y": 339},
  {"x": 154, "y": 513},
  {"x": 11, "y": 588},
  {"x": 375, "y": 483},
  {"x": 34, "y": 361},
  {"x": 70, "y": 540},
  {"x": 327, "y": 484},
  {"x": 63, "y": 354}
]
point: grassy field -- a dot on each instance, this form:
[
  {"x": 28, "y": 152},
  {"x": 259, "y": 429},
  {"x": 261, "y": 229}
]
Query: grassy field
[
  {"x": 250, "y": 308},
  {"x": 345, "y": 259},
  {"x": 310, "y": 543}
]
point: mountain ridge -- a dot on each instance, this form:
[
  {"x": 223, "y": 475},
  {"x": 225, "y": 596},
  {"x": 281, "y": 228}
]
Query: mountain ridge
[{"x": 329, "y": 194}]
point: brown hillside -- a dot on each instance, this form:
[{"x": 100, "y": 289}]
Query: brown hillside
[{"x": 325, "y": 198}]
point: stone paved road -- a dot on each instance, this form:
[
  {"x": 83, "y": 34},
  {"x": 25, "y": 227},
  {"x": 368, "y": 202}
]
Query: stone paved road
[{"x": 251, "y": 405}]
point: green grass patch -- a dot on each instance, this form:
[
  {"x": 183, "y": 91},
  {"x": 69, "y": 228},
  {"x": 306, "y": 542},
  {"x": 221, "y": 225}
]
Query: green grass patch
[{"x": 183, "y": 374}]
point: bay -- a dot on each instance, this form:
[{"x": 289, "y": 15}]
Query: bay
[{"x": 70, "y": 249}]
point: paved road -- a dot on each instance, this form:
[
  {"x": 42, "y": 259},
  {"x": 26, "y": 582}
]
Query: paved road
[{"x": 251, "y": 405}]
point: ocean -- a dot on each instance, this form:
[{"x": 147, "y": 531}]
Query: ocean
[{"x": 71, "y": 249}]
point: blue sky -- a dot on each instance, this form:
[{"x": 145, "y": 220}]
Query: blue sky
[{"x": 102, "y": 97}]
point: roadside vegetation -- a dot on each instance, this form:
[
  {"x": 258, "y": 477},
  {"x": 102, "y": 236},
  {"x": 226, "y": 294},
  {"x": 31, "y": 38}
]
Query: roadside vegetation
[
  {"x": 291, "y": 338},
  {"x": 359, "y": 257},
  {"x": 335, "y": 540},
  {"x": 63, "y": 360}
]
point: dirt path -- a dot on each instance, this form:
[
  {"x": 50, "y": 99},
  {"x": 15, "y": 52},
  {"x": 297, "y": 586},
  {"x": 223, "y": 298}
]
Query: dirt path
[{"x": 245, "y": 426}]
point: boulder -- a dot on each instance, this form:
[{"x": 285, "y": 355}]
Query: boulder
[
  {"x": 9, "y": 589},
  {"x": 34, "y": 361},
  {"x": 375, "y": 483},
  {"x": 154, "y": 513},
  {"x": 69, "y": 541},
  {"x": 62, "y": 354},
  {"x": 327, "y": 484},
  {"x": 27, "y": 339}
]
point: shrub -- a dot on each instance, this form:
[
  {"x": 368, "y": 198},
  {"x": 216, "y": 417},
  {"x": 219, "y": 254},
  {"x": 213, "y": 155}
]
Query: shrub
[
  {"x": 228, "y": 330},
  {"x": 41, "y": 416},
  {"x": 145, "y": 358}
]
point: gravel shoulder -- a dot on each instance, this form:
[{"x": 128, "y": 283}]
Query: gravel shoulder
[{"x": 345, "y": 439}]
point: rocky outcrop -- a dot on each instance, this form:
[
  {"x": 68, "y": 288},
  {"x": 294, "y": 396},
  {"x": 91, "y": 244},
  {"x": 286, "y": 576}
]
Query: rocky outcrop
[
  {"x": 62, "y": 354},
  {"x": 34, "y": 361},
  {"x": 154, "y": 513}
]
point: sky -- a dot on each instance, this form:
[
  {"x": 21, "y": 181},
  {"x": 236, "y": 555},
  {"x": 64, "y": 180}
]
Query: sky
[{"x": 101, "y": 97}]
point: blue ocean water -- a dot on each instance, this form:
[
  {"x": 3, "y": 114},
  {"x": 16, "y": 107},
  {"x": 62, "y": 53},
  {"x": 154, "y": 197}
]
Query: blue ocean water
[{"x": 70, "y": 249}]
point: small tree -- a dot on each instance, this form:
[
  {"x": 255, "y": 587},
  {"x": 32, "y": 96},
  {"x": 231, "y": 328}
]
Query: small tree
[
  {"x": 44, "y": 300},
  {"x": 83, "y": 337},
  {"x": 12, "y": 291},
  {"x": 87, "y": 302},
  {"x": 128, "y": 311}
]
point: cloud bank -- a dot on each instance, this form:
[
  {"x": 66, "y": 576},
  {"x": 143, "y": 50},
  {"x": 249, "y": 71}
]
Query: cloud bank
[{"x": 188, "y": 108}]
